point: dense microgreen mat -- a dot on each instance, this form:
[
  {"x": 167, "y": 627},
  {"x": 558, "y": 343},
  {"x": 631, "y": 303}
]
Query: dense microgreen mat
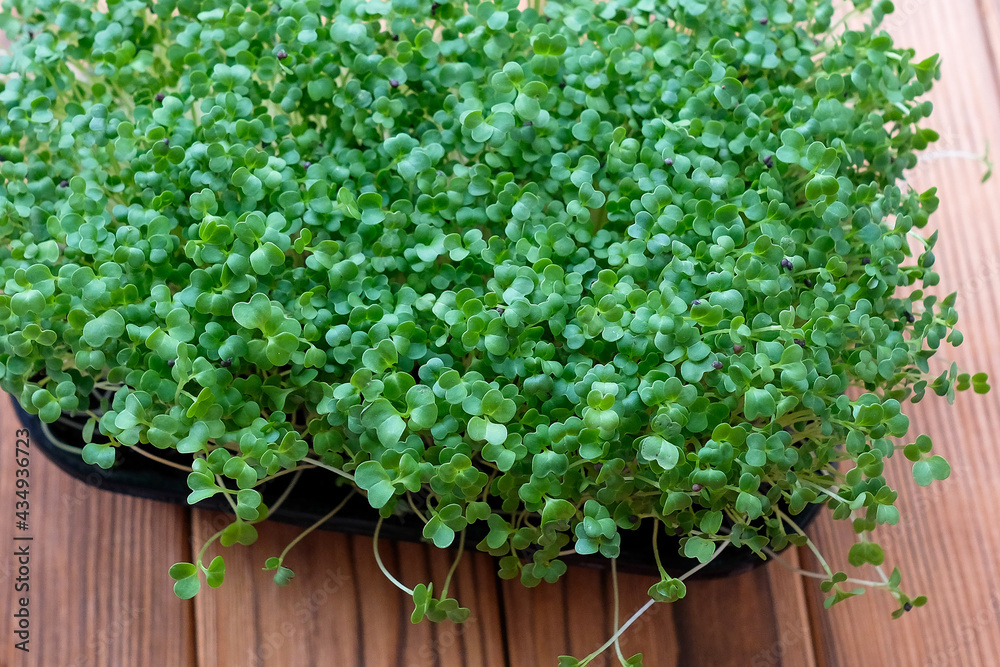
[{"x": 559, "y": 271}]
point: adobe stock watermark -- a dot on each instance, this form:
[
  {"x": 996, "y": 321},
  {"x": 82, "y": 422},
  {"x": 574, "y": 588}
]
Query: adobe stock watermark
[
  {"x": 904, "y": 12},
  {"x": 99, "y": 644},
  {"x": 789, "y": 636},
  {"x": 80, "y": 493},
  {"x": 296, "y": 625},
  {"x": 447, "y": 637},
  {"x": 20, "y": 452},
  {"x": 985, "y": 619}
]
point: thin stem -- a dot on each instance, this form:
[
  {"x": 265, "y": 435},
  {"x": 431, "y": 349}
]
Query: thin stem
[
  {"x": 642, "y": 610},
  {"x": 326, "y": 517},
  {"x": 656, "y": 549},
  {"x": 812, "y": 547},
  {"x": 378, "y": 561},
  {"x": 827, "y": 491},
  {"x": 297, "y": 470},
  {"x": 110, "y": 386},
  {"x": 454, "y": 565},
  {"x": 793, "y": 417},
  {"x": 205, "y": 546},
  {"x": 413, "y": 506},
  {"x": 284, "y": 494},
  {"x": 158, "y": 459},
  {"x": 641, "y": 479},
  {"x": 59, "y": 443},
  {"x": 614, "y": 588},
  {"x": 73, "y": 424},
  {"x": 815, "y": 575},
  {"x": 699, "y": 566},
  {"x": 320, "y": 464},
  {"x": 226, "y": 492},
  {"x": 649, "y": 603}
]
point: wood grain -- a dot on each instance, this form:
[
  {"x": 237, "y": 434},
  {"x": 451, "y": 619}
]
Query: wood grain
[
  {"x": 99, "y": 591},
  {"x": 710, "y": 627},
  {"x": 795, "y": 645},
  {"x": 574, "y": 616},
  {"x": 339, "y": 609},
  {"x": 945, "y": 543}
]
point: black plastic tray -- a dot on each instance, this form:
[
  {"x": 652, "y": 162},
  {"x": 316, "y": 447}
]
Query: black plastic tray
[{"x": 314, "y": 495}]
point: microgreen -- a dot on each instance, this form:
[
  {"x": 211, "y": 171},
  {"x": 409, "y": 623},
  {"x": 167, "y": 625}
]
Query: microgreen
[{"x": 555, "y": 270}]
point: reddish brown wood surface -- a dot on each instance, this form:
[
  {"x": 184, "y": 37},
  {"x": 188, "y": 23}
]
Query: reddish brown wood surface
[
  {"x": 100, "y": 595},
  {"x": 338, "y": 608}
]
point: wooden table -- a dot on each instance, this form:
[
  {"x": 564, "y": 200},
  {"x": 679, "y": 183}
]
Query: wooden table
[{"x": 100, "y": 594}]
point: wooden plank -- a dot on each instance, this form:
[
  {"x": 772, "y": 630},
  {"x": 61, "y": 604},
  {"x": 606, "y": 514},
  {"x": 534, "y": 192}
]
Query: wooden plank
[
  {"x": 755, "y": 619},
  {"x": 943, "y": 544},
  {"x": 574, "y": 616},
  {"x": 339, "y": 609},
  {"x": 99, "y": 591},
  {"x": 729, "y": 622},
  {"x": 989, "y": 10},
  {"x": 794, "y": 644}
]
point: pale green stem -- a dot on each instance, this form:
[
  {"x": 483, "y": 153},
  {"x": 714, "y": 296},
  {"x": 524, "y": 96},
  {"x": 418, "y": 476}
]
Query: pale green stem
[
  {"x": 378, "y": 561},
  {"x": 154, "y": 457},
  {"x": 284, "y": 494},
  {"x": 614, "y": 587},
  {"x": 317, "y": 524},
  {"x": 320, "y": 464},
  {"x": 643, "y": 608},
  {"x": 454, "y": 565}
]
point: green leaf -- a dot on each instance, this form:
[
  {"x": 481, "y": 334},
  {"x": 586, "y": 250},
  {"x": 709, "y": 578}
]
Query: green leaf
[
  {"x": 422, "y": 407},
  {"x": 556, "y": 510},
  {"x": 187, "y": 584},
  {"x": 373, "y": 478},
  {"x": 750, "y": 505},
  {"x": 265, "y": 258},
  {"x": 253, "y": 314},
  {"x": 282, "y": 575},
  {"x": 370, "y": 204},
  {"x": 216, "y": 572},
  {"x": 759, "y": 403},
  {"x": 655, "y": 448},
  {"x": 32, "y": 301},
  {"x": 380, "y": 358},
  {"x": 483, "y": 429},
  {"x": 238, "y": 532},
  {"x": 422, "y": 600},
  {"x": 180, "y": 571},
  {"x": 700, "y": 548},
  {"x": 865, "y": 552},
  {"x": 320, "y": 89},
  {"x": 437, "y": 531},
  {"x": 706, "y": 314},
  {"x": 586, "y": 129},
  {"x": 110, "y": 325},
  {"x": 187, "y": 588},
  {"x": 930, "y": 469},
  {"x": 101, "y": 454},
  {"x": 668, "y": 590}
]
